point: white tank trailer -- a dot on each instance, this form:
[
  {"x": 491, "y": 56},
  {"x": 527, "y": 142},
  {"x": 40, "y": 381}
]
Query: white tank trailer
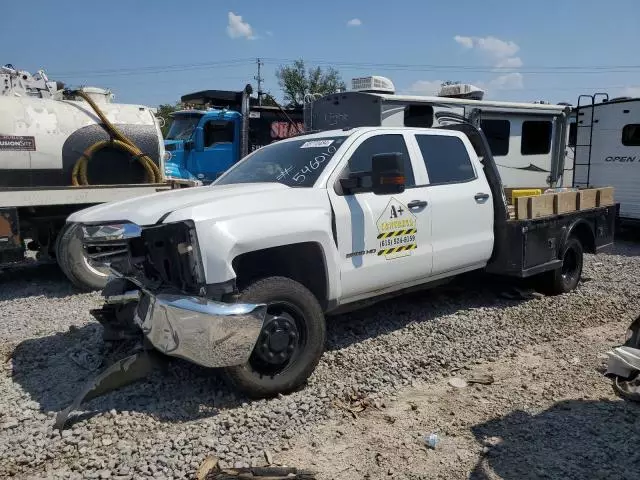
[
  {"x": 44, "y": 130},
  {"x": 63, "y": 150}
]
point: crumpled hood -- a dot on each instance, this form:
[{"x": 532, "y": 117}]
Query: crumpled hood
[{"x": 148, "y": 209}]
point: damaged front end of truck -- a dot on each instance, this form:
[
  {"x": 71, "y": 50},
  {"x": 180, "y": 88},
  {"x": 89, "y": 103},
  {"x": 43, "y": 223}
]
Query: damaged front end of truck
[
  {"x": 157, "y": 299},
  {"x": 623, "y": 364}
]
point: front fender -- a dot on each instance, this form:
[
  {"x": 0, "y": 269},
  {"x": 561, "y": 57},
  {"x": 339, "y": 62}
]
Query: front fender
[{"x": 223, "y": 240}]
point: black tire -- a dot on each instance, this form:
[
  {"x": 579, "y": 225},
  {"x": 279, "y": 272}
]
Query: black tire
[
  {"x": 566, "y": 278},
  {"x": 70, "y": 256},
  {"x": 289, "y": 303}
]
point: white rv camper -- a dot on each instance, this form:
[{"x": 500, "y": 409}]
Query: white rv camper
[
  {"x": 525, "y": 138},
  {"x": 605, "y": 136}
]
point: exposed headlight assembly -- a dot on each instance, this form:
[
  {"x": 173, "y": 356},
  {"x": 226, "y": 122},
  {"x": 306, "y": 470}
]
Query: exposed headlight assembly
[{"x": 117, "y": 231}]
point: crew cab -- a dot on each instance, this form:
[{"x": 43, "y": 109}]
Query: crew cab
[{"x": 241, "y": 273}]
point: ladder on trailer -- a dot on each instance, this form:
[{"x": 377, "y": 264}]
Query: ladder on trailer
[{"x": 580, "y": 124}]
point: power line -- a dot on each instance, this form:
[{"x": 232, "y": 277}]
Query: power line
[
  {"x": 154, "y": 69},
  {"x": 466, "y": 68},
  {"x": 149, "y": 70}
]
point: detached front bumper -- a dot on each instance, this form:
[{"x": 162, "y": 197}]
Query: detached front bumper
[
  {"x": 211, "y": 334},
  {"x": 623, "y": 361}
]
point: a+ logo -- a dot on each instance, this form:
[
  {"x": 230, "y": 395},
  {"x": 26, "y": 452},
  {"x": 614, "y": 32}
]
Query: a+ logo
[{"x": 396, "y": 211}]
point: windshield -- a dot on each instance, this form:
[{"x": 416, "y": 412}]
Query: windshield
[
  {"x": 296, "y": 163},
  {"x": 183, "y": 126}
]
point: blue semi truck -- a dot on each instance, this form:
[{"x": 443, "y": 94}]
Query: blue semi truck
[{"x": 219, "y": 128}]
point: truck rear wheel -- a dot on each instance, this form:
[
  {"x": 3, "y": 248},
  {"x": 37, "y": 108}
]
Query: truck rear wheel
[
  {"x": 291, "y": 341},
  {"x": 565, "y": 278},
  {"x": 73, "y": 262}
]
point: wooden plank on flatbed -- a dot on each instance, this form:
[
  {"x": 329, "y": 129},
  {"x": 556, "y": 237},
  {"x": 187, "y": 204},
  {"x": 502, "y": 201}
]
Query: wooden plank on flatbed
[
  {"x": 534, "y": 207},
  {"x": 565, "y": 202},
  {"x": 541, "y": 206},
  {"x": 522, "y": 208},
  {"x": 587, "y": 198},
  {"x": 604, "y": 197}
]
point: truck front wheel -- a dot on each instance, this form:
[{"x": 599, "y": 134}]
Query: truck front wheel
[
  {"x": 565, "y": 278},
  {"x": 73, "y": 262},
  {"x": 291, "y": 341}
]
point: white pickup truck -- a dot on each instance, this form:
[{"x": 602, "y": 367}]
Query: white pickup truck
[{"x": 240, "y": 274}]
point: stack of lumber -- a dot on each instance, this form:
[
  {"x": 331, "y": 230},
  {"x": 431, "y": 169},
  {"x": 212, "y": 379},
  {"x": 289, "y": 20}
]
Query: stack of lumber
[{"x": 558, "y": 203}]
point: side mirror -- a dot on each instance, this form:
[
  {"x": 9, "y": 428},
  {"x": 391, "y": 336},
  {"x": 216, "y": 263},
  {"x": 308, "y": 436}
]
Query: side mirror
[
  {"x": 387, "y": 173},
  {"x": 188, "y": 145}
]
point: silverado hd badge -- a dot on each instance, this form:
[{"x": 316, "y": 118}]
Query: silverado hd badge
[{"x": 396, "y": 231}]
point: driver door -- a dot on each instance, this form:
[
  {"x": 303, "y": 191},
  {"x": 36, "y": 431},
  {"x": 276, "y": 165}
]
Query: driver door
[
  {"x": 383, "y": 240},
  {"x": 219, "y": 152}
]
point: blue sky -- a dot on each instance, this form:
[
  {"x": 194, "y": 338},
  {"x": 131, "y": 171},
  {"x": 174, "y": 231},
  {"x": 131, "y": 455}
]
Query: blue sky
[{"x": 152, "y": 52}]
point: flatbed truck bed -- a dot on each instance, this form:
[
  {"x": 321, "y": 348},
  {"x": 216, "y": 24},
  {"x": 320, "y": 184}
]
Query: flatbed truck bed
[{"x": 39, "y": 214}]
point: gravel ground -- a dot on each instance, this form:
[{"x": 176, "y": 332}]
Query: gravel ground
[
  {"x": 166, "y": 426},
  {"x": 549, "y": 413}
]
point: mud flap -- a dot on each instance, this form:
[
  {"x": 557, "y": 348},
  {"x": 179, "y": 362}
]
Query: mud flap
[{"x": 121, "y": 373}]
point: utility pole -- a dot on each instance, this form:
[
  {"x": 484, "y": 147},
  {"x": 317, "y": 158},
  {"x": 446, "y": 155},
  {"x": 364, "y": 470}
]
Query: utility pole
[{"x": 258, "y": 78}]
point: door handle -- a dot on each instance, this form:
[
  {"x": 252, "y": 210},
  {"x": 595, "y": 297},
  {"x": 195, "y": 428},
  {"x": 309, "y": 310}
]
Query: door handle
[
  {"x": 481, "y": 196},
  {"x": 417, "y": 204}
]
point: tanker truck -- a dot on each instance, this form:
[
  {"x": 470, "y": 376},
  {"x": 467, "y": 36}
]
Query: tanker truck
[{"x": 63, "y": 150}]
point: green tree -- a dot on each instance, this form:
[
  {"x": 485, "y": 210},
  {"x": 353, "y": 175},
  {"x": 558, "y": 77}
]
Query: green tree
[
  {"x": 268, "y": 100},
  {"x": 296, "y": 81},
  {"x": 163, "y": 112}
]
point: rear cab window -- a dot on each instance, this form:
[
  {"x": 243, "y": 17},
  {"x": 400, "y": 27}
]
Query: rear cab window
[{"x": 446, "y": 159}]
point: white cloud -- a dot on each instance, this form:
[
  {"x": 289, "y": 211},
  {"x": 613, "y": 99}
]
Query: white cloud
[
  {"x": 425, "y": 87},
  {"x": 238, "y": 29},
  {"x": 466, "y": 42},
  {"x": 269, "y": 33},
  {"x": 508, "y": 81},
  {"x": 500, "y": 52},
  {"x": 354, "y": 22},
  {"x": 496, "y": 47},
  {"x": 511, "y": 62},
  {"x": 630, "y": 91}
]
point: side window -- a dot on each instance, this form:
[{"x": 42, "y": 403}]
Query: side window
[
  {"x": 360, "y": 161},
  {"x": 446, "y": 159},
  {"x": 573, "y": 134},
  {"x": 536, "y": 137},
  {"x": 218, "y": 131},
  {"x": 418, "y": 116},
  {"x": 497, "y": 133},
  {"x": 631, "y": 135}
]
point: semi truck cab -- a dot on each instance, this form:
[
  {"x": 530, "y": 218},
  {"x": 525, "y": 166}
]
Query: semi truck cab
[
  {"x": 201, "y": 144},
  {"x": 219, "y": 129}
]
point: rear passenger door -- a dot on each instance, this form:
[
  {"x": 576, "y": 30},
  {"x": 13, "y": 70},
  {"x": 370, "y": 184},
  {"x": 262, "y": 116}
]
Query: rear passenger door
[{"x": 460, "y": 200}]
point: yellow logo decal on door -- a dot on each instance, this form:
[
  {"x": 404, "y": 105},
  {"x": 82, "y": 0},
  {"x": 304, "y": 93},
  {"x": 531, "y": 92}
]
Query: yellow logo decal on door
[{"x": 396, "y": 231}]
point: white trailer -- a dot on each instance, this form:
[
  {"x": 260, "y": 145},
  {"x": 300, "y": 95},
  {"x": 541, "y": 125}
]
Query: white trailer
[
  {"x": 525, "y": 138},
  {"x": 605, "y": 135},
  {"x": 47, "y": 136}
]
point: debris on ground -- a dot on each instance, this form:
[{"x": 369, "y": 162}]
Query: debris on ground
[
  {"x": 457, "y": 382},
  {"x": 481, "y": 379}
]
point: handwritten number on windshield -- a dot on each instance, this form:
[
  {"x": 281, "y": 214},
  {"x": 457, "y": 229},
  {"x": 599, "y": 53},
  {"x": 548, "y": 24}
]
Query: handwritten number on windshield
[{"x": 313, "y": 164}]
